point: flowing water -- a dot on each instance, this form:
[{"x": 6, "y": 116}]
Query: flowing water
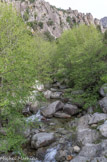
[
  {"x": 50, "y": 155},
  {"x": 34, "y": 117}
]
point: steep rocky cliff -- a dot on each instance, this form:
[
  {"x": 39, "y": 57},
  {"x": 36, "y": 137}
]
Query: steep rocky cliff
[
  {"x": 43, "y": 17},
  {"x": 104, "y": 22}
]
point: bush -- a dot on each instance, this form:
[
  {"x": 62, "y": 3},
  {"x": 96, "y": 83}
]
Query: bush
[
  {"x": 40, "y": 24},
  {"x": 50, "y": 23},
  {"x": 48, "y": 36},
  {"x": 33, "y": 25},
  {"x": 68, "y": 19},
  {"x": 35, "y": 15},
  {"x": 105, "y": 36},
  {"x": 26, "y": 15}
]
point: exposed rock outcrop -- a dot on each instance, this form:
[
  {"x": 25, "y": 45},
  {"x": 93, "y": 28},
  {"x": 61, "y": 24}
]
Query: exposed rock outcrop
[
  {"x": 47, "y": 19},
  {"x": 104, "y": 22}
]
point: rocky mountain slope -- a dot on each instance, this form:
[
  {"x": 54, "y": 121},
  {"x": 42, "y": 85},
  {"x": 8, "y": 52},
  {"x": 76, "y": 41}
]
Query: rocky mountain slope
[
  {"x": 45, "y": 18},
  {"x": 104, "y": 22}
]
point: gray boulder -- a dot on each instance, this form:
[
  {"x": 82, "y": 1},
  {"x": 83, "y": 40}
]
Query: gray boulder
[
  {"x": 87, "y": 135},
  {"x": 80, "y": 159},
  {"x": 97, "y": 117},
  {"x": 103, "y": 90},
  {"x": 47, "y": 94},
  {"x": 103, "y": 129},
  {"x": 103, "y": 104},
  {"x": 34, "y": 107},
  {"x": 62, "y": 115},
  {"x": 70, "y": 109},
  {"x": 91, "y": 150},
  {"x": 83, "y": 122},
  {"x": 56, "y": 95},
  {"x": 42, "y": 140},
  {"x": 52, "y": 109},
  {"x": 99, "y": 159},
  {"x": 104, "y": 148}
]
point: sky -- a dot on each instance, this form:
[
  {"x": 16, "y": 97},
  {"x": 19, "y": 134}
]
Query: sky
[{"x": 98, "y": 8}]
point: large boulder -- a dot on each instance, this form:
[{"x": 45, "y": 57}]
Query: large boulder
[
  {"x": 71, "y": 109},
  {"x": 99, "y": 159},
  {"x": 87, "y": 135},
  {"x": 80, "y": 159},
  {"x": 97, "y": 117},
  {"x": 52, "y": 109},
  {"x": 103, "y": 129},
  {"x": 104, "y": 148},
  {"x": 83, "y": 122},
  {"x": 42, "y": 140},
  {"x": 91, "y": 150},
  {"x": 103, "y": 104},
  {"x": 103, "y": 90}
]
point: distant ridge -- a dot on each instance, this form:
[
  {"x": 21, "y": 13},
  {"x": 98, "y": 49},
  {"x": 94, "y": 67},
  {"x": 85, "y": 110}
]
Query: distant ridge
[{"x": 45, "y": 18}]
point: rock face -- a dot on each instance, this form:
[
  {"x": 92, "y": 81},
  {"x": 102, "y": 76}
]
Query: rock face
[
  {"x": 52, "y": 109},
  {"x": 104, "y": 22},
  {"x": 45, "y": 18},
  {"x": 103, "y": 104},
  {"x": 42, "y": 139}
]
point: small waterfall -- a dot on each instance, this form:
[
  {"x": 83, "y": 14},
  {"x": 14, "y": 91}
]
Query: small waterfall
[
  {"x": 34, "y": 117},
  {"x": 50, "y": 154}
]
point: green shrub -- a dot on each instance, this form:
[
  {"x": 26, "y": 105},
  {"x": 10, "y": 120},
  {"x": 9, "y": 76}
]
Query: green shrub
[
  {"x": 48, "y": 36},
  {"x": 40, "y": 24},
  {"x": 35, "y": 15},
  {"x": 50, "y": 23},
  {"x": 105, "y": 36},
  {"x": 32, "y": 1},
  {"x": 33, "y": 25},
  {"x": 26, "y": 15},
  {"x": 68, "y": 19}
]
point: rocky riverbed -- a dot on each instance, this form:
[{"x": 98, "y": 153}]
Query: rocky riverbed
[{"x": 62, "y": 131}]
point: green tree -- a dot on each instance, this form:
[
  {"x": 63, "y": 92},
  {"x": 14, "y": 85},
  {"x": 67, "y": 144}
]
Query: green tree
[
  {"x": 23, "y": 59},
  {"x": 80, "y": 58}
]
